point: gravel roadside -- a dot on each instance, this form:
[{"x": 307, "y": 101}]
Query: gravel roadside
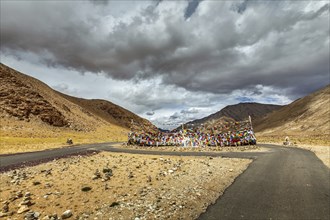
[{"x": 118, "y": 186}]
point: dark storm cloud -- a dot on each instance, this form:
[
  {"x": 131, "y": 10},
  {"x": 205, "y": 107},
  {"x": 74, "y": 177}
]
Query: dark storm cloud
[
  {"x": 189, "y": 111},
  {"x": 191, "y": 8},
  {"x": 158, "y": 2},
  {"x": 282, "y": 44},
  {"x": 183, "y": 116},
  {"x": 175, "y": 116},
  {"x": 100, "y": 2},
  {"x": 150, "y": 113},
  {"x": 240, "y": 7}
]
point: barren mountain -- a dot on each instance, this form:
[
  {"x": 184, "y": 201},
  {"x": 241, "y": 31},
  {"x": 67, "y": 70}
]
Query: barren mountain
[
  {"x": 240, "y": 112},
  {"x": 306, "y": 116},
  {"x": 30, "y": 108},
  {"x": 109, "y": 112}
]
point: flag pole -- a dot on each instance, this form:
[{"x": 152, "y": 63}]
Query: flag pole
[{"x": 250, "y": 121}]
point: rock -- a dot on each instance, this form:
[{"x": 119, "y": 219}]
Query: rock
[
  {"x": 48, "y": 185},
  {"x": 99, "y": 214},
  {"x": 114, "y": 204},
  {"x": 3, "y": 214},
  {"x": 58, "y": 194},
  {"x": 51, "y": 217},
  {"x": 106, "y": 178},
  {"x": 26, "y": 200},
  {"x": 230, "y": 170},
  {"x": 5, "y": 207},
  {"x": 170, "y": 171},
  {"x": 66, "y": 214},
  {"x": 30, "y": 216},
  {"x": 19, "y": 194},
  {"x": 54, "y": 216},
  {"x": 47, "y": 172},
  {"x": 84, "y": 216},
  {"x": 97, "y": 175},
  {"x": 107, "y": 170},
  {"x": 35, "y": 183},
  {"x": 86, "y": 188},
  {"x": 69, "y": 141},
  {"x": 23, "y": 208},
  {"x": 107, "y": 174},
  {"x": 17, "y": 177},
  {"x": 130, "y": 175}
]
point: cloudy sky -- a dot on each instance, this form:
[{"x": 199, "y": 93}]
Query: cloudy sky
[{"x": 171, "y": 61}]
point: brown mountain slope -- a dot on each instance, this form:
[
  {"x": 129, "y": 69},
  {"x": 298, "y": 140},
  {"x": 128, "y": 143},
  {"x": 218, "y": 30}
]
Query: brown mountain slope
[
  {"x": 20, "y": 98},
  {"x": 240, "y": 112},
  {"x": 108, "y": 111},
  {"x": 306, "y": 116},
  {"x": 31, "y": 109}
]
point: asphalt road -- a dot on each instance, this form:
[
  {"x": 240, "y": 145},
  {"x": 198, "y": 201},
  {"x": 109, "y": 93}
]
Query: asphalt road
[
  {"x": 288, "y": 183},
  {"x": 25, "y": 159},
  {"x": 281, "y": 183}
]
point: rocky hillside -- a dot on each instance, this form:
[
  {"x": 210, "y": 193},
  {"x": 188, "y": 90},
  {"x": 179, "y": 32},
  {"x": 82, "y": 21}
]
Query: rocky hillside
[
  {"x": 109, "y": 112},
  {"x": 306, "y": 116},
  {"x": 19, "y": 99},
  {"x": 240, "y": 112},
  {"x": 23, "y": 98}
]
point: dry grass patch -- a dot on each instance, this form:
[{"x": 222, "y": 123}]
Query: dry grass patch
[
  {"x": 26, "y": 140},
  {"x": 319, "y": 140}
]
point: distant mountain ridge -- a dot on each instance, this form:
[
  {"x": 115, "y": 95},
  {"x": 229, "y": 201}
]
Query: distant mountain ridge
[
  {"x": 240, "y": 112},
  {"x": 309, "y": 115},
  {"x": 24, "y": 98}
]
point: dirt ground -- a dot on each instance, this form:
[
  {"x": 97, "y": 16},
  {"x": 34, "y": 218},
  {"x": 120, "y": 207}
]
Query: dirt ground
[{"x": 117, "y": 186}]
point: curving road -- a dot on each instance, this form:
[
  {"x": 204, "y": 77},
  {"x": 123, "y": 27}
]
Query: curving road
[
  {"x": 281, "y": 183},
  {"x": 288, "y": 183}
]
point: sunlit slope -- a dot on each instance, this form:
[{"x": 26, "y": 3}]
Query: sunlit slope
[
  {"x": 34, "y": 116},
  {"x": 306, "y": 118}
]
